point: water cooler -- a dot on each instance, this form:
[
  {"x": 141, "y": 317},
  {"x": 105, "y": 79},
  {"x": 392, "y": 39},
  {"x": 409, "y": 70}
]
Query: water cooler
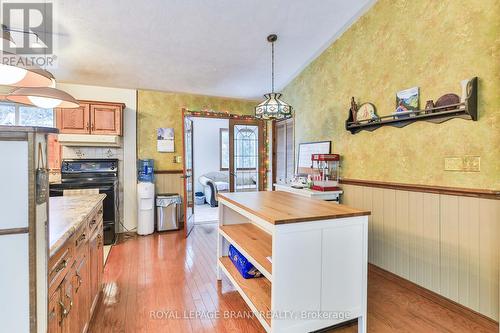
[{"x": 145, "y": 197}]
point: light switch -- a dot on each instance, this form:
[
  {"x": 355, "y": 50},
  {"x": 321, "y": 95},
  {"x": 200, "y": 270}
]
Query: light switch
[{"x": 462, "y": 163}]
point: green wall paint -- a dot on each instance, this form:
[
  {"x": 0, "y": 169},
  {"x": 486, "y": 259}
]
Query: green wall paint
[
  {"x": 161, "y": 109},
  {"x": 397, "y": 45}
]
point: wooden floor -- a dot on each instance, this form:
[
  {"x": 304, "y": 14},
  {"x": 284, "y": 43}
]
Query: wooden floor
[{"x": 164, "y": 283}]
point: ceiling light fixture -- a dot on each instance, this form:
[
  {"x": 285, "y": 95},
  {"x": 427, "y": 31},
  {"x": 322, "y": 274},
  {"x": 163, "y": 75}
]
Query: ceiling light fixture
[
  {"x": 43, "y": 97},
  {"x": 272, "y": 107}
]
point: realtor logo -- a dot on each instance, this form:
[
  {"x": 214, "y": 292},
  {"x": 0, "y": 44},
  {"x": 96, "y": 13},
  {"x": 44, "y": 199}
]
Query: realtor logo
[{"x": 30, "y": 26}]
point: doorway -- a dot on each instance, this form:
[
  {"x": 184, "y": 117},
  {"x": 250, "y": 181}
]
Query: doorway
[{"x": 222, "y": 153}]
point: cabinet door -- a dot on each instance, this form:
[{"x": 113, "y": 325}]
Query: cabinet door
[
  {"x": 94, "y": 269},
  {"x": 55, "y": 318},
  {"x": 106, "y": 119},
  {"x": 74, "y": 121},
  {"x": 53, "y": 152},
  {"x": 81, "y": 286},
  {"x": 68, "y": 314},
  {"x": 100, "y": 260}
]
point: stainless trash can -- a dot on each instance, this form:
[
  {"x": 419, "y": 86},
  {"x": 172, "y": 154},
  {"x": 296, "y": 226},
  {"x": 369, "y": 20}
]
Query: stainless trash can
[{"x": 168, "y": 211}]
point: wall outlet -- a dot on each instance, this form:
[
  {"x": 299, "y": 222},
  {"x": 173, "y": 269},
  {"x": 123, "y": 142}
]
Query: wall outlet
[
  {"x": 462, "y": 163},
  {"x": 177, "y": 159}
]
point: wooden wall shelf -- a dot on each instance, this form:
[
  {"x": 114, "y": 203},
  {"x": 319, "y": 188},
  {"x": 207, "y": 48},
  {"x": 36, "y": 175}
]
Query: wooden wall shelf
[{"x": 465, "y": 110}]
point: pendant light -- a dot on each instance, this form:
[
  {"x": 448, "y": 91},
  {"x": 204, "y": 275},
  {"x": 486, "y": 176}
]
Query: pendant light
[
  {"x": 44, "y": 97},
  {"x": 36, "y": 86},
  {"x": 272, "y": 107}
]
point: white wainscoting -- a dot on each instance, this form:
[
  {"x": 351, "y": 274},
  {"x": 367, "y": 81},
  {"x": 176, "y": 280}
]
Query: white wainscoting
[{"x": 447, "y": 244}]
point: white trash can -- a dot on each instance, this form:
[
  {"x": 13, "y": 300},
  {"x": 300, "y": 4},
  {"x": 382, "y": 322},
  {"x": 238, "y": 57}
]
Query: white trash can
[{"x": 145, "y": 208}]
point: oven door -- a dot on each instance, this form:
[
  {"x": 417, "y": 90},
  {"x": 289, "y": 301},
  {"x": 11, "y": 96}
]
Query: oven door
[{"x": 110, "y": 203}]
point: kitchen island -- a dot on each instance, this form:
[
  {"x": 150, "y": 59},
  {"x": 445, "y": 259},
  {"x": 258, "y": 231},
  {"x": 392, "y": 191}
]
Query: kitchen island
[
  {"x": 75, "y": 262},
  {"x": 312, "y": 255}
]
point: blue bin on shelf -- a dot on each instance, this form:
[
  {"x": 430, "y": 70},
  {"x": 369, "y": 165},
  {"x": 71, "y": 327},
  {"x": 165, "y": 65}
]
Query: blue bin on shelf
[{"x": 245, "y": 267}]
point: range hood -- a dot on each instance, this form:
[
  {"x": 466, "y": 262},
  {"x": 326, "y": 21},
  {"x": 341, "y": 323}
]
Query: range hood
[{"x": 88, "y": 140}]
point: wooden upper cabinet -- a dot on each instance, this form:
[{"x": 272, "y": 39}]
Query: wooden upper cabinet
[
  {"x": 91, "y": 118},
  {"x": 106, "y": 119},
  {"x": 74, "y": 121}
]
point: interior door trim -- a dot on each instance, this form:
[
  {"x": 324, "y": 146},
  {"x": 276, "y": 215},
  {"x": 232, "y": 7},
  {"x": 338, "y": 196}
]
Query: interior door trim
[{"x": 185, "y": 118}]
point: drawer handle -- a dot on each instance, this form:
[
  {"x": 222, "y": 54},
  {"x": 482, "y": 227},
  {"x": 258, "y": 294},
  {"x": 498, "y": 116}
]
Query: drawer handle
[
  {"x": 62, "y": 265},
  {"x": 80, "y": 281},
  {"x": 80, "y": 239},
  {"x": 93, "y": 222},
  {"x": 65, "y": 311}
]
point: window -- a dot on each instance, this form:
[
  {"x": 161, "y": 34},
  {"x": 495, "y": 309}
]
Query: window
[
  {"x": 224, "y": 149},
  {"x": 246, "y": 144},
  {"x": 21, "y": 115}
]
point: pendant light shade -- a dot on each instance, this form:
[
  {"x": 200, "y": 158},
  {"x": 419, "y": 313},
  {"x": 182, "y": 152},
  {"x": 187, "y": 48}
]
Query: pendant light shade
[
  {"x": 273, "y": 107},
  {"x": 43, "y": 97},
  {"x": 17, "y": 76}
]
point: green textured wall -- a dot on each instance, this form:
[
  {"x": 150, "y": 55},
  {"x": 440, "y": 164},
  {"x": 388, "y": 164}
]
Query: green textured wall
[
  {"x": 161, "y": 109},
  {"x": 397, "y": 45}
]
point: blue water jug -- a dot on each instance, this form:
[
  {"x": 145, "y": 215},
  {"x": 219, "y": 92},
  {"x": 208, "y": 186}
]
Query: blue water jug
[{"x": 145, "y": 170}]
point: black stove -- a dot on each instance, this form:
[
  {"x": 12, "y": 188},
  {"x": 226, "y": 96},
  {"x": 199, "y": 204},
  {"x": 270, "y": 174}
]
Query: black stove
[{"x": 101, "y": 174}]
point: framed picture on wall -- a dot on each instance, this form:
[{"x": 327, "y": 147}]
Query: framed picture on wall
[{"x": 306, "y": 149}]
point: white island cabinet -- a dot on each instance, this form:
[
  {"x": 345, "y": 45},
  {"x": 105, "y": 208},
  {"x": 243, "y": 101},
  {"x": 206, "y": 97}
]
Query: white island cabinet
[
  {"x": 312, "y": 255},
  {"x": 23, "y": 229}
]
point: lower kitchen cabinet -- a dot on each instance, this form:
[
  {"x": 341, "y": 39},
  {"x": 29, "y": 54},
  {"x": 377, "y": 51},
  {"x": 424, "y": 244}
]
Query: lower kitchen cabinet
[
  {"x": 55, "y": 312},
  {"x": 67, "y": 313},
  {"x": 96, "y": 266},
  {"x": 81, "y": 296},
  {"x": 73, "y": 300}
]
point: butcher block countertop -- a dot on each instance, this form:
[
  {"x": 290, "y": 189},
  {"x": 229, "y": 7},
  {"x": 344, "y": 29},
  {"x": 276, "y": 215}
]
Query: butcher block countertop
[
  {"x": 66, "y": 214},
  {"x": 277, "y": 207}
]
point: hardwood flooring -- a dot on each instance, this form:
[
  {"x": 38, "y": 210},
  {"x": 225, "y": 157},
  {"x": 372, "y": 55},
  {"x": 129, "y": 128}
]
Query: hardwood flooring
[{"x": 165, "y": 283}]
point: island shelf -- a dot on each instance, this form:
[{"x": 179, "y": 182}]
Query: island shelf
[{"x": 312, "y": 255}]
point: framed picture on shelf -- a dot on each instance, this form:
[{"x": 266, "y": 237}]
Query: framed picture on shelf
[
  {"x": 407, "y": 100},
  {"x": 306, "y": 149}
]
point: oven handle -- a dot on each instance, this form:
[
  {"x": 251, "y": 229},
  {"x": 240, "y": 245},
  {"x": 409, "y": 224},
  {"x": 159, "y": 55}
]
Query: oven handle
[
  {"x": 100, "y": 188},
  {"x": 106, "y": 188}
]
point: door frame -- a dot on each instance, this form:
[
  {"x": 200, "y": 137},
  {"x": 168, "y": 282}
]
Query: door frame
[
  {"x": 261, "y": 147},
  {"x": 226, "y": 115},
  {"x": 187, "y": 230}
]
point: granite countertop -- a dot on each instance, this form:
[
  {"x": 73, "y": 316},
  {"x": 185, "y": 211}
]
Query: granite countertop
[{"x": 66, "y": 214}]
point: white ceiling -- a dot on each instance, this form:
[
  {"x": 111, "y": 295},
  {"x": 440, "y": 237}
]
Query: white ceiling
[{"x": 211, "y": 47}]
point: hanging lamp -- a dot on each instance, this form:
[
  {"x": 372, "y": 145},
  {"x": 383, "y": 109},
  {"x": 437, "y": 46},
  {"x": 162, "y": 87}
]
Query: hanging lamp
[
  {"x": 44, "y": 97},
  {"x": 273, "y": 107},
  {"x": 35, "y": 86}
]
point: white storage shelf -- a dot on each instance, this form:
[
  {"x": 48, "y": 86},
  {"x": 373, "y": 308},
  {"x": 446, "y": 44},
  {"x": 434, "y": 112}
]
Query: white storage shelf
[{"x": 319, "y": 268}]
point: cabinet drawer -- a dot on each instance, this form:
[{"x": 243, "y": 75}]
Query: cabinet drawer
[
  {"x": 80, "y": 237},
  {"x": 59, "y": 265},
  {"x": 95, "y": 220}
]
